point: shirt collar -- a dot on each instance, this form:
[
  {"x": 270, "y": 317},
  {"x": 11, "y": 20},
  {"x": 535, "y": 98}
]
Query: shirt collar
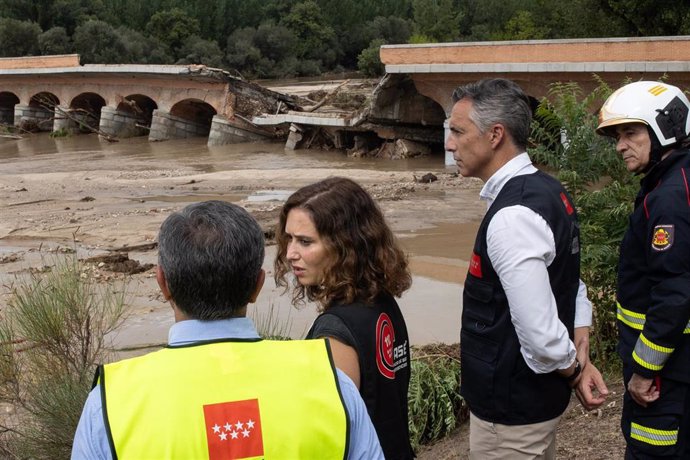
[
  {"x": 519, "y": 165},
  {"x": 194, "y": 330}
]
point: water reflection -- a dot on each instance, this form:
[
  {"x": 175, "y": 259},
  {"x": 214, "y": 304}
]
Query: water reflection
[{"x": 195, "y": 153}]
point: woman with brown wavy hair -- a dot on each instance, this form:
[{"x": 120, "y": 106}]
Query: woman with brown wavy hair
[{"x": 334, "y": 239}]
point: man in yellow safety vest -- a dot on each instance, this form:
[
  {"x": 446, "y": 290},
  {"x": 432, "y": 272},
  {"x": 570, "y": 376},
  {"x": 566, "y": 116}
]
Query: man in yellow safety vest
[{"x": 218, "y": 391}]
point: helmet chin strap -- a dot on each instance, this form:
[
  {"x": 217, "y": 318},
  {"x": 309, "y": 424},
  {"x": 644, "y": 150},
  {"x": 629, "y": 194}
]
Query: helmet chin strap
[{"x": 656, "y": 151}]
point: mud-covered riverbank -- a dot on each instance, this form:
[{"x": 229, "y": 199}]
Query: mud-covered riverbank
[{"x": 98, "y": 198}]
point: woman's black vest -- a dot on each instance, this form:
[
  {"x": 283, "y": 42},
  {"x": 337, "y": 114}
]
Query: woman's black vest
[
  {"x": 383, "y": 348},
  {"x": 495, "y": 380}
]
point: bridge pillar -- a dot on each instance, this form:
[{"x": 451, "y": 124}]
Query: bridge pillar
[
  {"x": 63, "y": 122},
  {"x": 33, "y": 118},
  {"x": 7, "y": 115},
  {"x": 449, "y": 155},
  {"x": 165, "y": 126},
  {"x": 121, "y": 124},
  {"x": 224, "y": 131}
]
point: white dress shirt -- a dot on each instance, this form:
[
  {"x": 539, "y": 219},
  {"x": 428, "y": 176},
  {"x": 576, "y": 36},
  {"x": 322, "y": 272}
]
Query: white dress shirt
[{"x": 521, "y": 246}]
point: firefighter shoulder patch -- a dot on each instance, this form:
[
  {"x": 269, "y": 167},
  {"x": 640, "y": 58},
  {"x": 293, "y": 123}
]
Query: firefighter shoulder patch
[{"x": 662, "y": 237}]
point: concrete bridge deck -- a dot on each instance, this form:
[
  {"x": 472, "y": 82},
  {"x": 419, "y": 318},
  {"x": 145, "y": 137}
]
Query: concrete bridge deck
[{"x": 437, "y": 69}]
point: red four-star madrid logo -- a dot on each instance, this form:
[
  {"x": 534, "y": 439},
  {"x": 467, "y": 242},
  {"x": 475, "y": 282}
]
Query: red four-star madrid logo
[{"x": 233, "y": 430}]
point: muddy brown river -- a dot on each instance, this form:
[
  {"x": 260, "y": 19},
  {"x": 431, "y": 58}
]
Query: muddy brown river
[{"x": 92, "y": 196}]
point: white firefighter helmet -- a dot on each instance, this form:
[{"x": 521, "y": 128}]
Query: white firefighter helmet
[{"x": 662, "y": 107}]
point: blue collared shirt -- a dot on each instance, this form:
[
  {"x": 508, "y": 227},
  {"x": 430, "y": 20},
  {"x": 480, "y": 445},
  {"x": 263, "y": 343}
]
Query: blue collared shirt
[{"x": 91, "y": 441}]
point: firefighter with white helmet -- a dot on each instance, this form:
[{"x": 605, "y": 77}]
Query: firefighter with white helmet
[{"x": 650, "y": 124}]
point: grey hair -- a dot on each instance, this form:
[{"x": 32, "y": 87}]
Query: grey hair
[
  {"x": 497, "y": 100},
  {"x": 211, "y": 255}
]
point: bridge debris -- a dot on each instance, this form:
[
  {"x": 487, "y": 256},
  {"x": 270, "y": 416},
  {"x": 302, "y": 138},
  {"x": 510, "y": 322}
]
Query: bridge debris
[{"x": 363, "y": 117}]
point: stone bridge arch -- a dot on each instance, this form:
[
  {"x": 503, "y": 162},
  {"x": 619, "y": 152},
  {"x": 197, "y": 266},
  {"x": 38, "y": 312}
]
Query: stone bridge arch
[
  {"x": 41, "y": 111},
  {"x": 131, "y": 117},
  {"x": 187, "y": 118},
  {"x": 203, "y": 98},
  {"x": 8, "y": 101},
  {"x": 83, "y": 112}
]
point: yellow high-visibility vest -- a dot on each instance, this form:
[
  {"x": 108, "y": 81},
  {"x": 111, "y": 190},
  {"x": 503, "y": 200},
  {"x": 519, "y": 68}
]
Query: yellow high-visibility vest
[{"x": 224, "y": 400}]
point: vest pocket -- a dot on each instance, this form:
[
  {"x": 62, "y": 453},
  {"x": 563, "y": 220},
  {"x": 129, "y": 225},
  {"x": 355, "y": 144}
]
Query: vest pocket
[
  {"x": 477, "y": 302},
  {"x": 478, "y": 357},
  {"x": 478, "y": 347}
]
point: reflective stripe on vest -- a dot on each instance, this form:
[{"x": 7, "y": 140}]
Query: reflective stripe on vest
[
  {"x": 653, "y": 436},
  {"x": 650, "y": 355},
  {"x": 636, "y": 320},
  {"x": 267, "y": 399}
]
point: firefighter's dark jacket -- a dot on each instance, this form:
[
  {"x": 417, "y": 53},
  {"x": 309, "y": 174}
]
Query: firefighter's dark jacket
[
  {"x": 496, "y": 382},
  {"x": 654, "y": 274}
]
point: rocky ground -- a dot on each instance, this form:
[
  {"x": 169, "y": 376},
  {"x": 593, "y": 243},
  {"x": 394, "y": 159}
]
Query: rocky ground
[{"x": 581, "y": 435}]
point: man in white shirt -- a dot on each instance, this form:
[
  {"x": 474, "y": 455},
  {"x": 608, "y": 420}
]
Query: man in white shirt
[{"x": 526, "y": 316}]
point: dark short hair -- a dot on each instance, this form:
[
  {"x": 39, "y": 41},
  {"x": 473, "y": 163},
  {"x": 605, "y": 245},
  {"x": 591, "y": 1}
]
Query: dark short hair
[
  {"x": 211, "y": 255},
  {"x": 497, "y": 100},
  {"x": 366, "y": 257}
]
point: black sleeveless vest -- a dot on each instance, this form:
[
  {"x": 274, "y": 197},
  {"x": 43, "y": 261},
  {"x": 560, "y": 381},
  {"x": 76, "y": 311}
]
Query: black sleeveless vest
[
  {"x": 383, "y": 348},
  {"x": 495, "y": 380}
]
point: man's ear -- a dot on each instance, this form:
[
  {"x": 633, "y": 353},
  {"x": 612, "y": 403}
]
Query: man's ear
[
  {"x": 497, "y": 135},
  {"x": 259, "y": 284},
  {"x": 162, "y": 283}
]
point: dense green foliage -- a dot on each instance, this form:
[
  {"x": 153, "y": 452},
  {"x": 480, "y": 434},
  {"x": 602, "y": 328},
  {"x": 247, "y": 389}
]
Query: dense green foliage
[
  {"x": 277, "y": 38},
  {"x": 603, "y": 191},
  {"x": 435, "y": 404}
]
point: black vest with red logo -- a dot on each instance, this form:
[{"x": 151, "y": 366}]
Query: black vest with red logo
[
  {"x": 383, "y": 348},
  {"x": 495, "y": 380}
]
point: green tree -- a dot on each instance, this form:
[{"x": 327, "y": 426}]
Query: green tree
[
  {"x": 438, "y": 19},
  {"x": 71, "y": 13},
  {"x": 650, "y": 17},
  {"x": 55, "y": 41},
  {"x": 173, "y": 27},
  {"x": 577, "y": 19},
  {"x": 522, "y": 27},
  {"x": 480, "y": 19},
  {"x": 140, "y": 49},
  {"x": 98, "y": 43},
  {"x": 265, "y": 52},
  {"x": 242, "y": 54},
  {"x": 276, "y": 42},
  {"x": 603, "y": 190},
  {"x": 392, "y": 29},
  {"x": 197, "y": 50},
  {"x": 53, "y": 13},
  {"x": 18, "y": 38},
  {"x": 369, "y": 62},
  {"x": 316, "y": 44}
]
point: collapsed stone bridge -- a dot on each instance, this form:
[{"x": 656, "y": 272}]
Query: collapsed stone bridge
[
  {"x": 437, "y": 69},
  {"x": 56, "y": 93}
]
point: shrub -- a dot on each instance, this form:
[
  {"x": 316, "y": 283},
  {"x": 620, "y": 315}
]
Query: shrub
[
  {"x": 52, "y": 336},
  {"x": 368, "y": 61},
  {"x": 435, "y": 404},
  {"x": 603, "y": 192}
]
